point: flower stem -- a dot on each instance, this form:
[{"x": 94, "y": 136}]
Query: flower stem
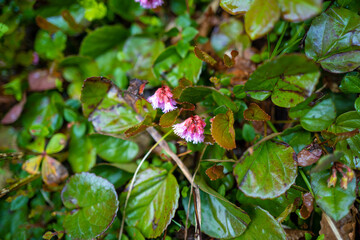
[
  {"x": 306, "y": 180},
  {"x": 133, "y": 181}
]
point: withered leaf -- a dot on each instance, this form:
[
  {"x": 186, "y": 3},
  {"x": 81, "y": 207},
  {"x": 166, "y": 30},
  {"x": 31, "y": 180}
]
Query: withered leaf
[
  {"x": 308, "y": 205},
  {"x": 309, "y": 155},
  {"x": 14, "y": 113},
  {"x": 41, "y": 80},
  {"x": 53, "y": 172},
  {"x": 215, "y": 172},
  {"x": 255, "y": 113}
]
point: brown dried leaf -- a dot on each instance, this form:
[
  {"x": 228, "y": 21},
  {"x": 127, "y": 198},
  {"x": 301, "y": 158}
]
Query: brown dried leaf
[
  {"x": 215, "y": 172},
  {"x": 41, "y": 80},
  {"x": 308, "y": 205},
  {"x": 346, "y": 226},
  {"x": 203, "y": 56},
  {"x": 255, "y": 113},
  {"x": 14, "y": 113},
  {"x": 309, "y": 155},
  {"x": 296, "y": 234}
]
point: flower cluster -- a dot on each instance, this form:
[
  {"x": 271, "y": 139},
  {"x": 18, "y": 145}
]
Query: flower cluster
[
  {"x": 150, "y": 3},
  {"x": 192, "y": 129},
  {"x": 163, "y": 99}
]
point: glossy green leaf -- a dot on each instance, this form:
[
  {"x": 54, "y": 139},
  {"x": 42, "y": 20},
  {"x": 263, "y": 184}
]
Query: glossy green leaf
[
  {"x": 113, "y": 149},
  {"x": 274, "y": 206},
  {"x": 93, "y": 203},
  {"x": 171, "y": 66},
  {"x": 134, "y": 233},
  {"x": 335, "y": 201},
  {"x": 261, "y": 17},
  {"x": 350, "y": 83},
  {"x": 357, "y": 105},
  {"x": 194, "y": 94},
  {"x": 222, "y": 130},
  {"x": 332, "y": 40},
  {"x": 128, "y": 10},
  {"x": 118, "y": 177},
  {"x": 56, "y": 143},
  {"x": 289, "y": 79},
  {"x": 153, "y": 202},
  {"x": 299, "y": 10},
  {"x": 220, "y": 218},
  {"x": 42, "y": 111},
  {"x": 262, "y": 226},
  {"x": 236, "y": 6},
  {"x": 297, "y": 138},
  {"x": 82, "y": 153},
  {"x": 350, "y": 146},
  {"x": 315, "y": 118},
  {"x": 102, "y": 39},
  {"x": 141, "y": 52},
  {"x": 268, "y": 172},
  {"x": 37, "y": 146}
]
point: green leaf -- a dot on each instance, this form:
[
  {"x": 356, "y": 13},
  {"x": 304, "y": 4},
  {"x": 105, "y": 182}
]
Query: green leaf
[
  {"x": 261, "y": 17},
  {"x": 194, "y": 94},
  {"x": 275, "y": 206},
  {"x": 82, "y": 153},
  {"x": 153, "y": 201},
  {"x": 289, "y": 79},
  {"x": 326, "y": 162},
  {"x": 262, "y": 226},
  {"x": 235, "y": 7},
  {"x": 169, "y": 118},
  {"x": 3, "y": 29},
  {"x": 50, "y": 46},
  {"x": 42, "y": 115},
  {"x": 93, "y": 203},
  {"x": 335, "y": 201},
  {"x": 118, "y": 177},
  {"x": 299, "y": 10},
  {"x": 315, "y": 118},
  {"x": 128, "y": 10},
  {"x": 102, "y": 39},
  {"x": 134, "y": 233},
  {"x": 171, "y": 66},
  {"x": 221, "y": 218},
  {"x": 268, "y": 172},
  {"x": 113, "y": 149},
  {"x": 37, "y": 146},
  {"x": 297, "y": 138},
  {"x": 350, "y": 146},
  {"x": 350, "y": 83},
  {"x": 56, "y": 143},
  {"x": 357, "y": 105},
  {"x": 222, "y": 130},
  {"x": 141, "y": 53},
  {"x": 332, "y": 40}
]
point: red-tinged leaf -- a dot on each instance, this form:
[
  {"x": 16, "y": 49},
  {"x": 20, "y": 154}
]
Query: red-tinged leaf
[
  {"x": 32, "y": 165},
  {"x": 143, "y": 107},
  {"x": 309, "y": 155},
  {"x": 308, "y": 205},
  {"x": 209, "y": 139},
  {"x": 44, "y": 24},
  {"x": 185, "y": 106},
  {"x": 334, "y": 138},
  {"x": 14, "y": 113},
  {"x": 203, "y": 56},
  {"x": 53, "y": 172},
  {"x": 71, "y": 21},
  {"x": 41, "y": 80},
  {"x": 48, "y": 235},
  {"x": 169, "y": 118},
  {"x": 222, "y": 130},
  {"x": 255, "y": 113},
  {"x": 138, "y": 128},
  {"x": 215, "y": 172},
  {"x": 183, "y": 83}
]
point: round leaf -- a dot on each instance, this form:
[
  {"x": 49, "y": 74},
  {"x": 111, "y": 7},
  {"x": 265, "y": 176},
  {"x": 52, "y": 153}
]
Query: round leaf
[
  {"x": 153, "y": 201},
  {"x": 299, "y": 10},
  {"x": 236, "y": 6},
  {"x": 268, "y": 172},
  {"x": 93, "y": 203},
  {"x": 335, "y": 201}
]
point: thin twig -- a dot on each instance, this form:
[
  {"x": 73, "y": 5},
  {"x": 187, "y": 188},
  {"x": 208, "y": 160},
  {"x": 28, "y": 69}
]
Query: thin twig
[{"x": 333, "y": 227}]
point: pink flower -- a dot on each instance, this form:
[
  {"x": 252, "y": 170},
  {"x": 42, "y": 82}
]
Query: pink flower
[
  {"x": 150, "y": 3},
  {"x": 163, "y": 99},
  {"x": 192, "y": 129}
]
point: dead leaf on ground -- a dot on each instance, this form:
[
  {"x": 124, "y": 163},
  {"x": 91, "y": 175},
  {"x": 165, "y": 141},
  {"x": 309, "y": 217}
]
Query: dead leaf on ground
[{"x": 346, "y": 226}]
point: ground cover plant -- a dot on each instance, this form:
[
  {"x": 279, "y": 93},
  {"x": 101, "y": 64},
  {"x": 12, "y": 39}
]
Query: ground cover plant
[{"x": 179, "y": 119}]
